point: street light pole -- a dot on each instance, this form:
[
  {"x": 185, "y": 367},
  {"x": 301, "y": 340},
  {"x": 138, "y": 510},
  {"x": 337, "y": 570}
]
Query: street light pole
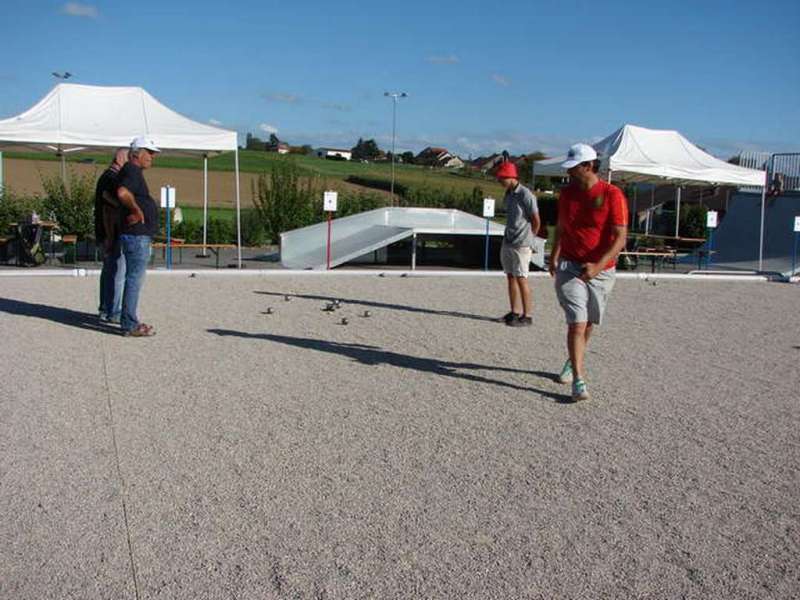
[{"x": 394, "y": 96}]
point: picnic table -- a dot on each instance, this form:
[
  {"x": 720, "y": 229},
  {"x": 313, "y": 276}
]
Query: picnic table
[{"x": 657, "y": 256}]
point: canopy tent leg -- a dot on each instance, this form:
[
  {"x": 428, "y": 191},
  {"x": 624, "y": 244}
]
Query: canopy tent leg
[
  {"x": 763, "y": 208},
  {"x": 205, "y": 203},
  {"x": 649, "y": 221},
  {"x": 238, "y": 213},
  {"x": 635, "y": 198},
  {"x": 677, "y": 210}
]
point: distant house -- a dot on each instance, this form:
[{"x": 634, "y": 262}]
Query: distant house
[
  {"x": 280, "y": 148},
  {"x": 333, "y": 153},
  {"x": 438, "y": 157}
]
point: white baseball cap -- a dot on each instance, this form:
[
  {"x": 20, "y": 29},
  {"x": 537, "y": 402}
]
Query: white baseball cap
[
  {"x": 143, "y": 143},
  {"x": 578, "y": 154}
]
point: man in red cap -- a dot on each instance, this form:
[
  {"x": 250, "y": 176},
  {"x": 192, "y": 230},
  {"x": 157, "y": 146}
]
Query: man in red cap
[
  {"x": 591, "y": 232},
  {"x": 522, "y": 223}
]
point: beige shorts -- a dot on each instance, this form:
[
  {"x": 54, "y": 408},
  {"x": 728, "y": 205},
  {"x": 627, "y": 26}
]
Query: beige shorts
[
  {"x": 516, "y": 260},
  {"x": 583, "y": 301}
]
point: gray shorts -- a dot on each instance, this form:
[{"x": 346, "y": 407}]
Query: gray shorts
[
  {"x": 516, "y": 260},
  {"x": 582, "y": 301}
]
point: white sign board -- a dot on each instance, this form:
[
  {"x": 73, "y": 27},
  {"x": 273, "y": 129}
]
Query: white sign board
[
  {"x": 168, "y": 197},
  {"x": 329, "y": 201},
  {"x": 797, "y": 223},
  {"x": 488, "y": 207},
  {"x": 711, "y": 219}
]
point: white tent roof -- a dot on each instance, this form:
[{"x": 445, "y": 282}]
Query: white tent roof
[
  {"x": 89, "y": 115},
  {"x": 658, "y": 156}
]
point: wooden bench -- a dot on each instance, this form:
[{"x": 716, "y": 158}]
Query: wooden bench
[{"x": 180, "y": 245}]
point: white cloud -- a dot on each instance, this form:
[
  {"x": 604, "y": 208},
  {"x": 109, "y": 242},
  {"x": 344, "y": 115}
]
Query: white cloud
[
  {"x": 267, "y": 128},
  {"x": 501, "y": 79},
  {"x": 215, "y": 122},
  {"x": 76, "y": 9},
  {"x": 450, "y": 59}
]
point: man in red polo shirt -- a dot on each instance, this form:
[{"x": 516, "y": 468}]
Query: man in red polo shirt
[{"x": 591, "y": 232}]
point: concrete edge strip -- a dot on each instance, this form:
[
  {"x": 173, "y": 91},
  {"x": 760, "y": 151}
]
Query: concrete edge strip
[{"x": 377, "y": 273}]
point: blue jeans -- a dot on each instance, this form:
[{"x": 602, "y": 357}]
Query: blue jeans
[
  {"x": 112, "y": 282},
  {"x": 136, "y": 250}
]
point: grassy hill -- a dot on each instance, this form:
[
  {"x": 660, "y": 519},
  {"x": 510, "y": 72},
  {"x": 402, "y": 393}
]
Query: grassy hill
[{"x": 251, "y": 161}]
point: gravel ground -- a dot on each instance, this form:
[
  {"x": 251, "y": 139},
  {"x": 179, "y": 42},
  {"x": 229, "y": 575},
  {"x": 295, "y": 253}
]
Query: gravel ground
[{"x": 422, "y": 452}]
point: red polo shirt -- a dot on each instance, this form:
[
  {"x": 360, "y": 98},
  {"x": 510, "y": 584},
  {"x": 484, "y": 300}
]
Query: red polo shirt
[{"x": 587, "y": 219}]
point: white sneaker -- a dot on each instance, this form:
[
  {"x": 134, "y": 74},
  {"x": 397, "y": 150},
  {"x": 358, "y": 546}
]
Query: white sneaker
[
  {"x": 566, "y": 375},
  {"x": 579, "y": 391}
]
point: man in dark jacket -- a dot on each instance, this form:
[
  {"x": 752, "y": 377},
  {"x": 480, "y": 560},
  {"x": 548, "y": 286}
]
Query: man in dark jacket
[{"x": 106, "y": 233}]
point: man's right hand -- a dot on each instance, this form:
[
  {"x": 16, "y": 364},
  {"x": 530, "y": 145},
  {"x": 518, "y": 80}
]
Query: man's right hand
[
  {"x": 552, "y": 266},
  {"x": 136, "y": 216}
]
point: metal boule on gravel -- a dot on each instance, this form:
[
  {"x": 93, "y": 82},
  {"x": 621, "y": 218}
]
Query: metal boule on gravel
[
  {"x": 366, "y": 313},
  {"x": 344, "y": 321}
]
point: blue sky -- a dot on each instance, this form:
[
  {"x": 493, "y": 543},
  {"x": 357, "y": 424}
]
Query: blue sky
[{"x": 481, "y": 77}]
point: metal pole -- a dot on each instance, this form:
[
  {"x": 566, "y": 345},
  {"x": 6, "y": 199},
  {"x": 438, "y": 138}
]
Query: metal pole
[
  {"x": 169, "y": 228},
  {"x": 394, "y": 130},
  {"x": 649, "y": 221},
  {"x": 1, "y": 172},
  {"x": 677, "y": 210},
  {"x": 763, "y": 210},
  {"x": 486, "y": 248},
  {"x": 635, "y": 199},
  {"x": 205, "y": 203},
  {"x": 238, "y": 212},
  {"x": 794, "y": 254},
  {"x": 414, "y": 252},
  {"x": 328, "y": 245}
]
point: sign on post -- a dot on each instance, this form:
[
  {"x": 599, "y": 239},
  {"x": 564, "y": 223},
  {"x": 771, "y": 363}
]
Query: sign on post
[
  {"x": 488, "y": 207},
  {"x": 488, "y": 212},
  {"x": 168, "y": 197},
  {"x": 168, "y": 202},
  {"x": 329, "y": 201},
  {"x": 711, "y": 219},
  {"x": 797, "y": 224}
]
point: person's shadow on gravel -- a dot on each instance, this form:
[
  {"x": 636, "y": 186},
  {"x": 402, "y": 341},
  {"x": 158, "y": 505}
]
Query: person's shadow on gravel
[
  {"x": 63, "y": 316},
  {"x": 374, "y": 304},
  {"x": 373, "y": 355}
]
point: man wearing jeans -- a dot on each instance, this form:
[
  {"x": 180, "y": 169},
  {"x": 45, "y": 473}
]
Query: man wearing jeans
[
  {"x": 522, "y": 223},
  {"x": 139, "y": 225},
  {"x": 106, "y": 232},
  {"x": 591, "y": 232}
]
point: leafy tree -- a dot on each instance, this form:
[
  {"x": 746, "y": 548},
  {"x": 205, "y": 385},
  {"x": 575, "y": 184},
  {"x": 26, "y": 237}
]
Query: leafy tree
[
  {"x": 254, "y": 143},
  {"x": 366, "y": 150},
  {"x": 273, "y": 141},
  {"x": 407, "y": 158}
]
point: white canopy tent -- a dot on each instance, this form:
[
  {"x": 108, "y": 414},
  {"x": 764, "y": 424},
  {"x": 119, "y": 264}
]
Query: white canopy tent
[
  {"x": 635, "y": 154},
  {"x": 74, "y": 117}
]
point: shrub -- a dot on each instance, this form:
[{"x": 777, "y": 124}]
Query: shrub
[
  {"x": 15, "y": 208},
  {"x": 692, "y": 221},
  {"x": 72, "y": 203},
  {"x": 284, "y": 202}
]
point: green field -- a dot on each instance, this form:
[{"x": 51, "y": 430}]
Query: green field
[{"x": 251, "y": 161}]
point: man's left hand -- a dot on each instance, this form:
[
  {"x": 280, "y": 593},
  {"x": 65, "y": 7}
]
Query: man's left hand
[{"x": 591, "y": 270}]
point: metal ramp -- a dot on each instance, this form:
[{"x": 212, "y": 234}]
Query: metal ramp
[{"x": 357, "y": 235}]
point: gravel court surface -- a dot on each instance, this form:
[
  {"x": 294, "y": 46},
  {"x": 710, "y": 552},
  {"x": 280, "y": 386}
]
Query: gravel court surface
[{"x": 423, "y": 452}]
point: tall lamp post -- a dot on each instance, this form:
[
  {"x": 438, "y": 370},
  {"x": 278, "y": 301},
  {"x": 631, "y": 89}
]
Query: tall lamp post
[{"x": 394, "y": 96}]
